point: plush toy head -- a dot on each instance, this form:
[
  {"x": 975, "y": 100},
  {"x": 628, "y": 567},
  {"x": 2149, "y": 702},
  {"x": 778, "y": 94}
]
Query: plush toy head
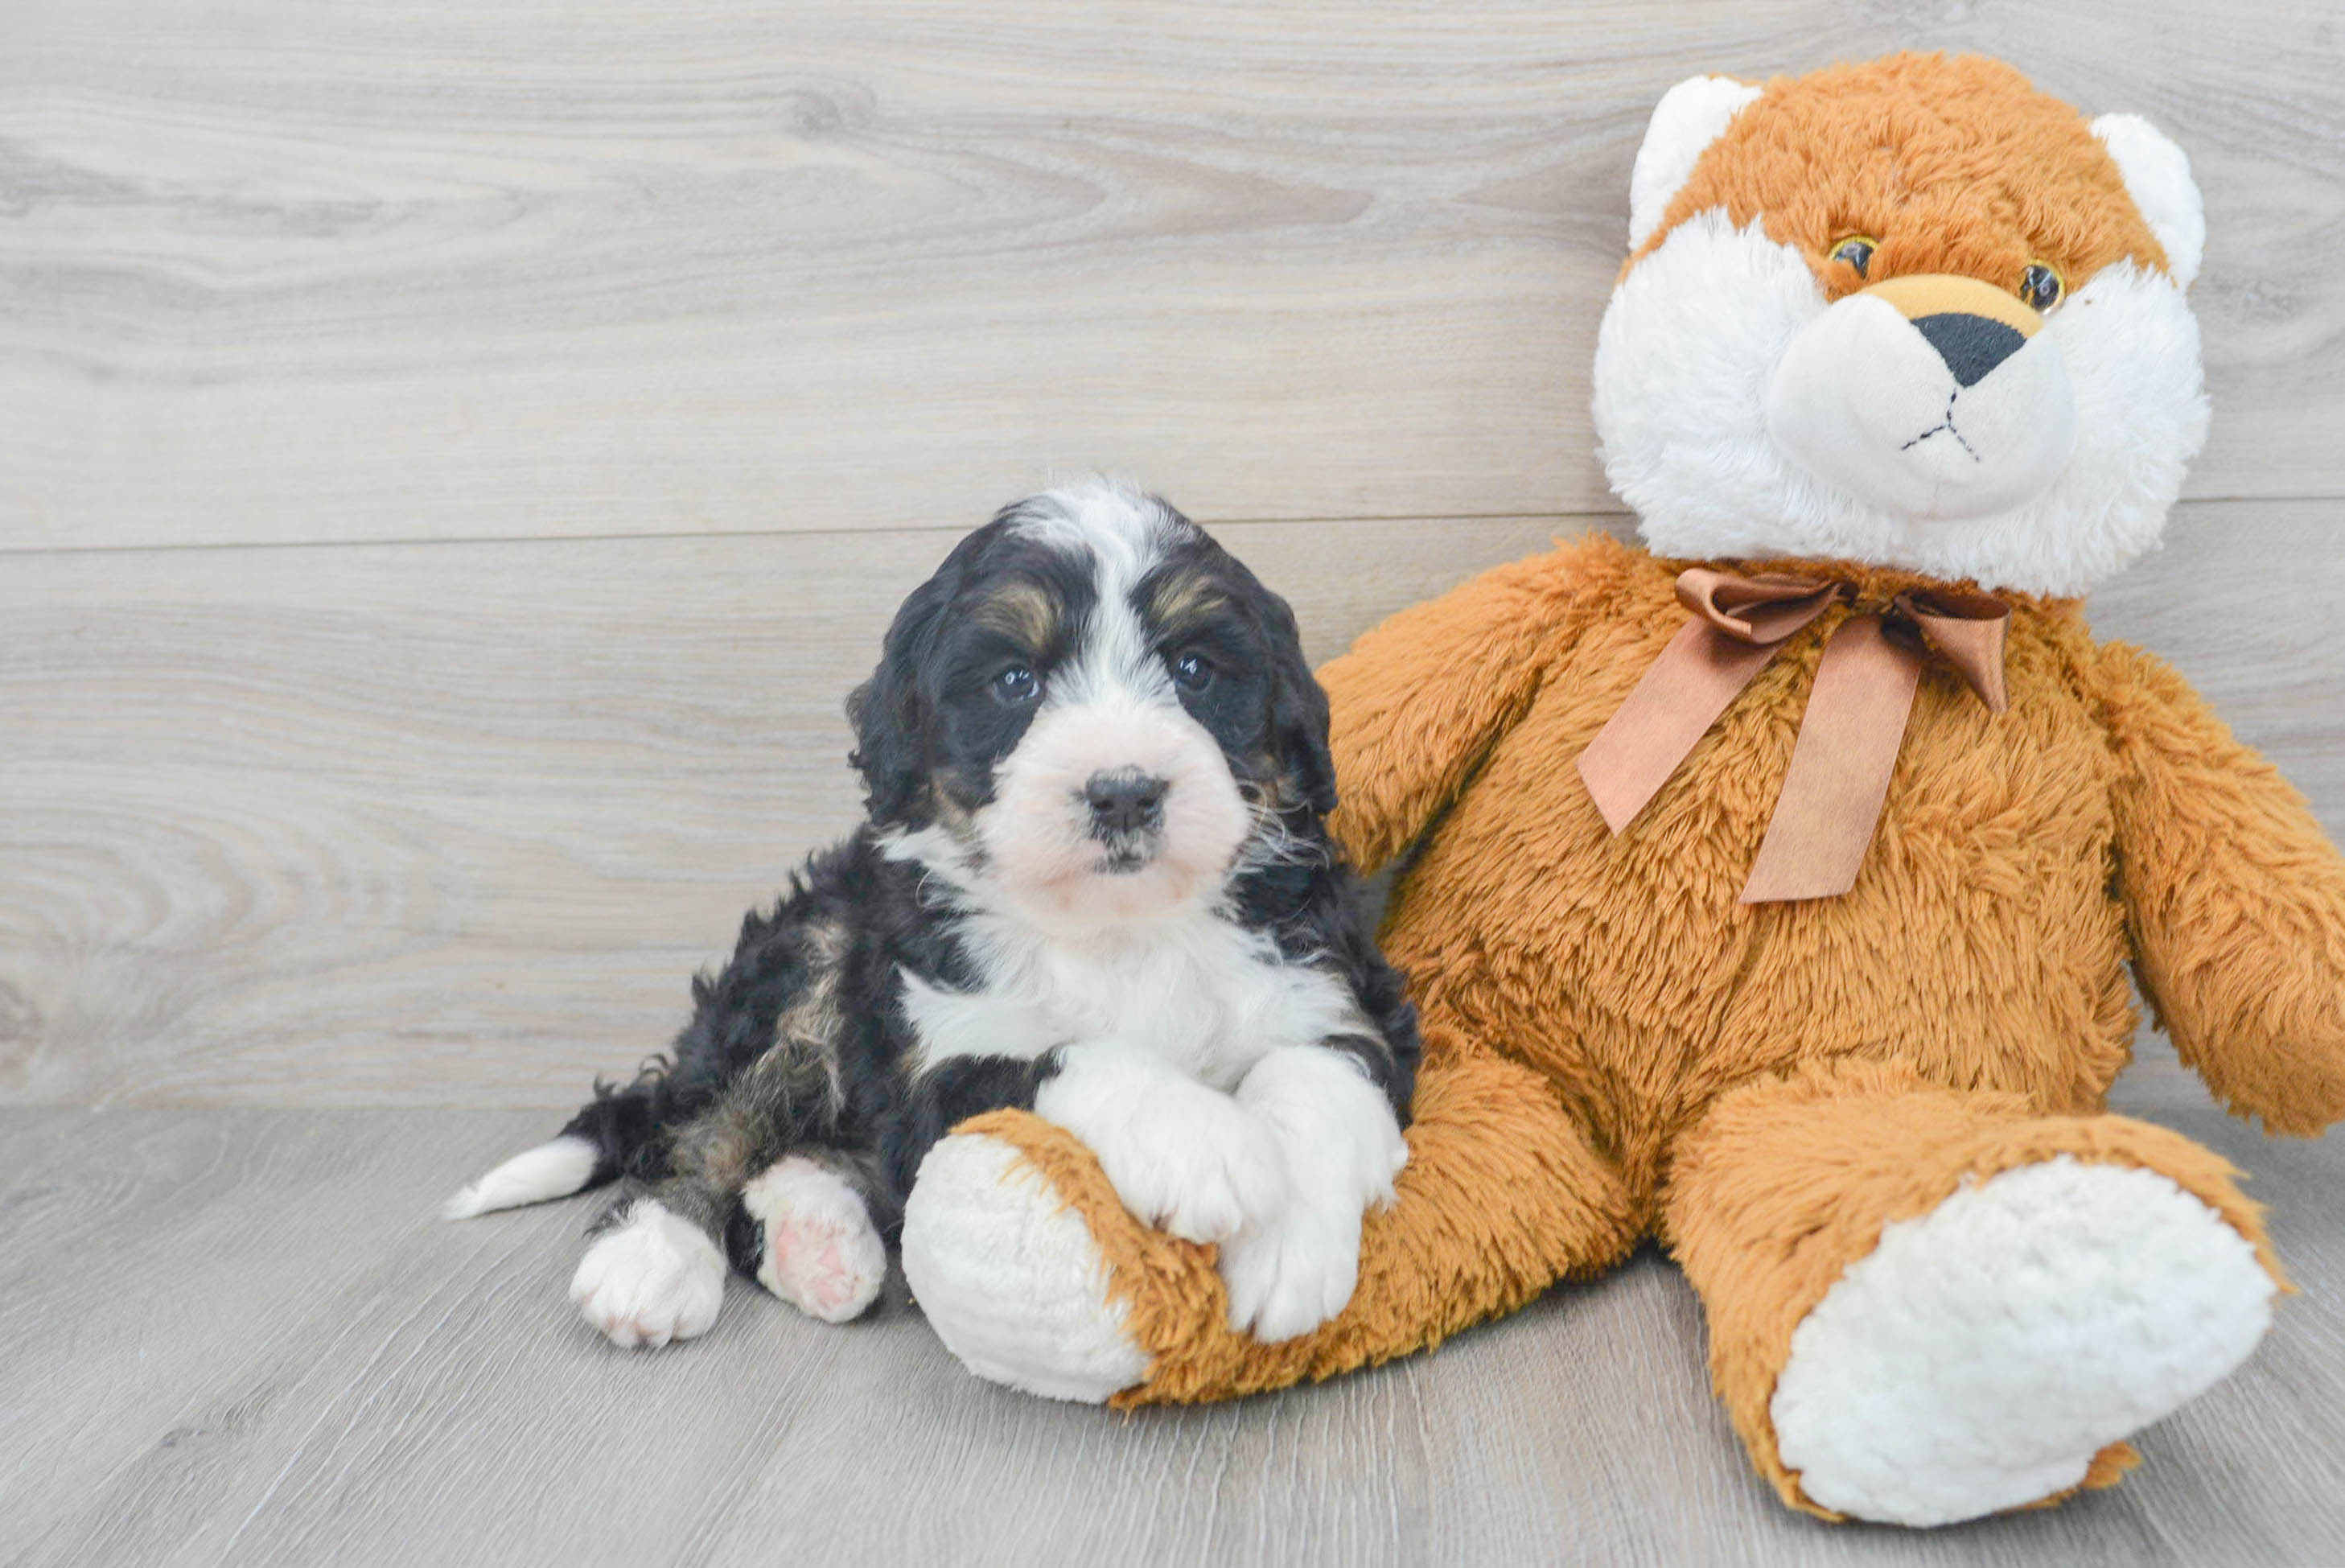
[{"x": 1912, "y": 313}]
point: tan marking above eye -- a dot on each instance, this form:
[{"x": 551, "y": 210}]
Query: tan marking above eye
[
  {"x": 1022, "y": 612},
  {"x": 1183, "y": 600}
]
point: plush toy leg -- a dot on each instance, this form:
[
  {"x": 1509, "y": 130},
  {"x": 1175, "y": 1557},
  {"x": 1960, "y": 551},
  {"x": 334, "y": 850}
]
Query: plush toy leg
[
  {"x": 1032, "y": 1273},
  {"x": 1928, "y": 1305}
]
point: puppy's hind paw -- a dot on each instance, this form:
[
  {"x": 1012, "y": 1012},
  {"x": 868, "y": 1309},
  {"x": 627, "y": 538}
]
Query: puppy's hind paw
[
  {"x": 820, "y": 1252},
  {"x": 654, "y": 1279}
]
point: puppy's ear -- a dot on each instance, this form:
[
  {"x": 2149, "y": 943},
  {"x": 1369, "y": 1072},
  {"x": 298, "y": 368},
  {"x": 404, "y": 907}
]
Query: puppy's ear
[
  {"x": 1298, "y": 709},
  {"x": 888, "y": 712}
]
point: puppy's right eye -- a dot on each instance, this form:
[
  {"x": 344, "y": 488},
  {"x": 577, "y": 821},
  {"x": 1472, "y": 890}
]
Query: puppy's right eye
[{"x": 1016, "y": 684}]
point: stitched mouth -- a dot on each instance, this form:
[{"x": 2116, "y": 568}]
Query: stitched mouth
[{"x": 1945, "y": 427}]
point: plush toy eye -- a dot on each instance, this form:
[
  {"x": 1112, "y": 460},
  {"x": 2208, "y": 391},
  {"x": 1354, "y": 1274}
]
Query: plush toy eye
[
  {"x": 2041, "y": 285},
  {"x": 1016, "y": 684},
  {"x": 1857, "y": 251},
  {"x": 1192, "y": 673}
]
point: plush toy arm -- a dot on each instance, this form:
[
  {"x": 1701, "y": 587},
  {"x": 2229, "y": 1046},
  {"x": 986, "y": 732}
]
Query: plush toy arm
[
  {"x": 1419, "y": 700},
  {"x": 1032, "y": 1272},
  {"x": 2235, "y": 900}
]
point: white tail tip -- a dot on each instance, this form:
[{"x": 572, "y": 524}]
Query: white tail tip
[{"x": 554, "y": 1169}]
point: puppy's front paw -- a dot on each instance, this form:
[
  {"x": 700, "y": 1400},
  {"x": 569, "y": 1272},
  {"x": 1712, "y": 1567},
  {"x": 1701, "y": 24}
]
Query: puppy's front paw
[
  {"x": 1185, "y": 1159},
  {"x": 653, "y": 1278},
  {"x": 1198, "y": 1166},
  {"x": 1343, "y": 1148},
  {"x": 1291, "y": 1274}
]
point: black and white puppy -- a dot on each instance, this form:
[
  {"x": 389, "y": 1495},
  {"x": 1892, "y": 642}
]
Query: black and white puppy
[{"x": 1095, "y": 881}]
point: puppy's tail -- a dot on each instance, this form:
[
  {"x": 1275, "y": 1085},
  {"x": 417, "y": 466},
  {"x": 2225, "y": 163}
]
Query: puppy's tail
[{"x": 598, "y": 1144}]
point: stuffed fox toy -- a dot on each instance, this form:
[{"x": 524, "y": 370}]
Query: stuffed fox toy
[{"x": 1775, "y": 884}]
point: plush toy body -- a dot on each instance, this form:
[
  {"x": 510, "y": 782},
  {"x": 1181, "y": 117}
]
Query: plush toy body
[{"x": 1939, "y": 1280}]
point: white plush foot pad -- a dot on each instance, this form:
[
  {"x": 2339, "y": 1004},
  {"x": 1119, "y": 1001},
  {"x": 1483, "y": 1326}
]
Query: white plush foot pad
[
  {"x": 653, "y": 1278},
  {"x": 822, "y": 1253},
  {"x": 1984, "y": 1352},
  {"x": 1009, "y": 1277}
]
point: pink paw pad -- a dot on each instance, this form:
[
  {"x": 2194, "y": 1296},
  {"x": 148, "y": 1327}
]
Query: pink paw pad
[
  {"x": 816, "y": 1273},
  {"x": 822, "y": 1253}
]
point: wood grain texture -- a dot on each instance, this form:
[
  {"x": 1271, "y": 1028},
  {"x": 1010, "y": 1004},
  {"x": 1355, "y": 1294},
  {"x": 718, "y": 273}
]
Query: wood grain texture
[
  {"x": 439, "y": 270},
  {"x": 683, "y": 339},
  {"x": 451, "y": 824},
  {"x": 236, "y": 1337}
]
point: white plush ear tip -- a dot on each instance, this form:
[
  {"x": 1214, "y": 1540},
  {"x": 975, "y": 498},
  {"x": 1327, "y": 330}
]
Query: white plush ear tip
[
  {"x": 2158, "y": 177},
  {"x": 1689, "y": 116}
]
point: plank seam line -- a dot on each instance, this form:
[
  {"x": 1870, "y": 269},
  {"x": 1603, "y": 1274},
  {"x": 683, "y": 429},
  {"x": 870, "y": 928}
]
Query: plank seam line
[
  {"x": 19, "y": 551},
  {"x": 628, "y": 536}
]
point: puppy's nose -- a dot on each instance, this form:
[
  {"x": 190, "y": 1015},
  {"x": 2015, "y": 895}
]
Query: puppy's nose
[
  {"x": 1125, "y": 800},
  {"x": 1973, "y": 326}
]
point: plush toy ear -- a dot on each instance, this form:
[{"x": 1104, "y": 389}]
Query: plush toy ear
[
  {"x": 1689, "y": 116},
  {"x": 2158, "y": 177}
]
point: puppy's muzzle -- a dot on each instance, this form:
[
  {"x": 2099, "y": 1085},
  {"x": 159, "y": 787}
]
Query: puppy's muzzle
[{"x": 1124, "y": 804}]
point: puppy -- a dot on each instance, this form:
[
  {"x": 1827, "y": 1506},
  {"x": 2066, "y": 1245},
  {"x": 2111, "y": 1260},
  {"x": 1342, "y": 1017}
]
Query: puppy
[{"x": 1094, "y": 882}]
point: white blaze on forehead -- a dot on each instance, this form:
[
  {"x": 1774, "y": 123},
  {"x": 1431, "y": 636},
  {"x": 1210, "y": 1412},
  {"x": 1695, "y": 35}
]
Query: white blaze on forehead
[
  {"x": 1124, "y": 535},
  {"x": 1109, "y": 707}
]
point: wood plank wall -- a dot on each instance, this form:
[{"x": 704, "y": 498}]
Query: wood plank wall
[{"x": 453, "y": 460}]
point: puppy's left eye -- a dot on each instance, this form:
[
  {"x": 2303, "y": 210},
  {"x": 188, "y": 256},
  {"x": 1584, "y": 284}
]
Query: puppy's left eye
[
  {"x": 1016, "y": 684},
  {"x": 1192, "y": 673}
]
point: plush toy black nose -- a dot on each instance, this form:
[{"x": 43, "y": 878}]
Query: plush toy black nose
[
  {"x": 1971, "y": 345},
  {"x": 1124, "y": 801}
]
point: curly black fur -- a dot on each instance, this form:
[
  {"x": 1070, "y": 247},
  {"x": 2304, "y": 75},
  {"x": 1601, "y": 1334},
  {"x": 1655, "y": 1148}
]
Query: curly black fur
[{"x": 800, "y": 1045}]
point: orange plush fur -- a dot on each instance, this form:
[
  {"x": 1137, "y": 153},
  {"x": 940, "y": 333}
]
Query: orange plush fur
[
  {"x": 1955, "y": 165},
  {"x": 1617, "y": 1047}
]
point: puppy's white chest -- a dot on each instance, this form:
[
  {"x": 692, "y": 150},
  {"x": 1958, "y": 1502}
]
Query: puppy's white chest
[{"x": 1205, "y": 996}]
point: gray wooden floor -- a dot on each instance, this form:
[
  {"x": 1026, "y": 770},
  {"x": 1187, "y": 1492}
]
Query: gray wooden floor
[
  {"x": 453, "y": 461},
  {"x": 238, "y": 1337}
]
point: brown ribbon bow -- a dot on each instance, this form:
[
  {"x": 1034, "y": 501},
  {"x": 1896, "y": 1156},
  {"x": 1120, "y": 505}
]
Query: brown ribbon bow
[{"x": 1848, "y": 736}]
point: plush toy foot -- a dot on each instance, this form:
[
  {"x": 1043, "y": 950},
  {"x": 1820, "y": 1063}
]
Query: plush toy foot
[
  {"x": 1033, "y": 1271},
  {"x": 1010, "y": 1277},
  {"x": 820, "y": 1251},
  {"x": 1985, "y": 1352}
]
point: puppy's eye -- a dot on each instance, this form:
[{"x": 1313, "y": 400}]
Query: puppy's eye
[
  {"x": 1192, "y": 673},
  {"x": 2041, "y": 285},
  {"x": 1857, "y": 251},
  {"x": 1016, "y": 684}
]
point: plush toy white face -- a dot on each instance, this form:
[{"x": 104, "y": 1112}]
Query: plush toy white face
[{"x": 1911, "y": 314}]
